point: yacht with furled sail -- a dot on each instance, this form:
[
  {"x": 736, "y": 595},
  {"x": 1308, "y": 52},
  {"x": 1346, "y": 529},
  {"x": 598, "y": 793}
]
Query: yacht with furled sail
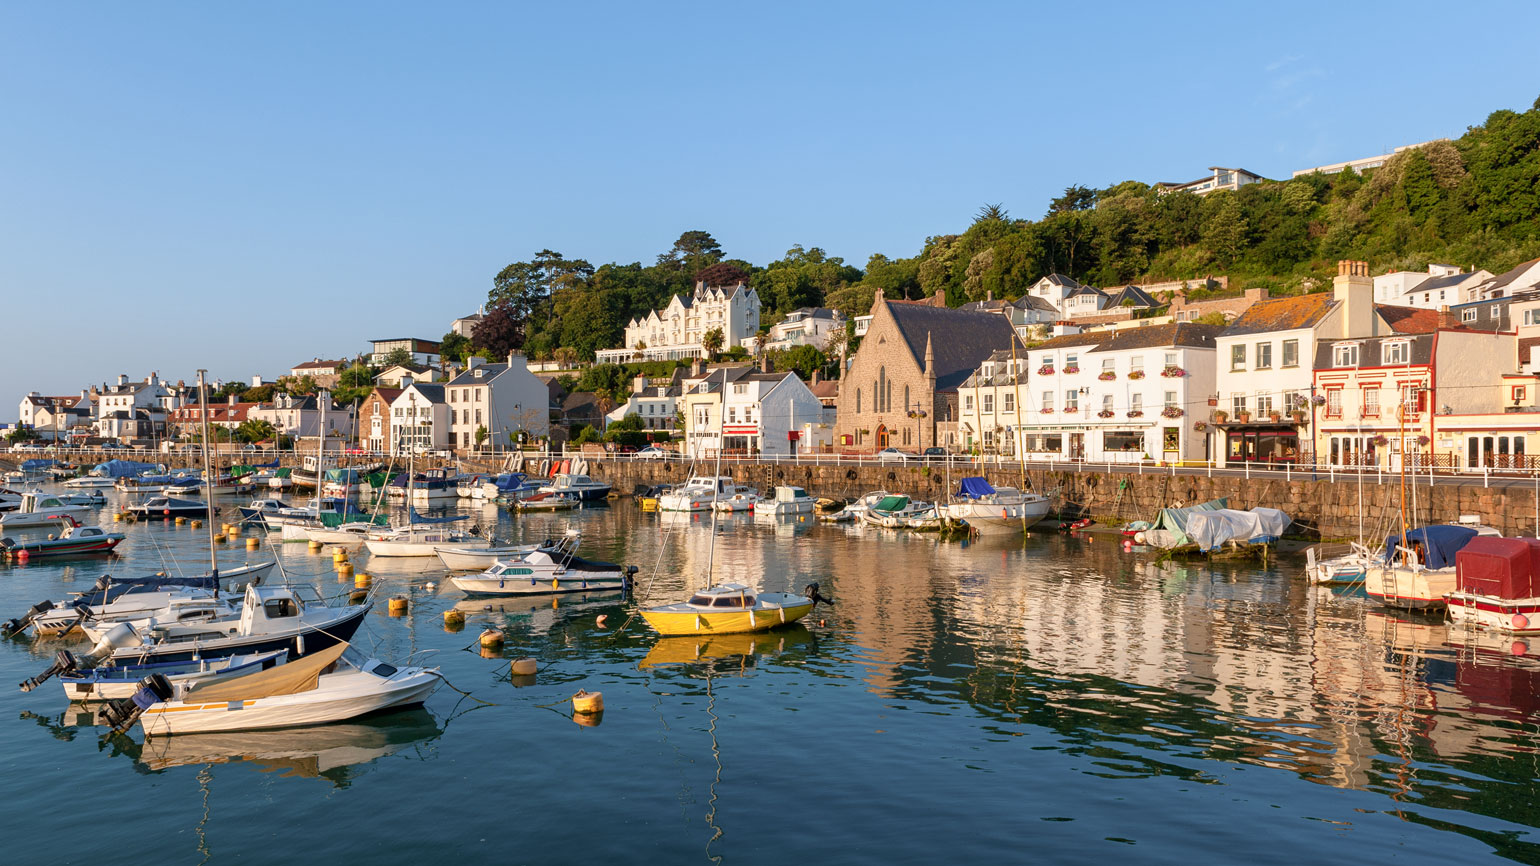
[{"x": 995, "y": 510}]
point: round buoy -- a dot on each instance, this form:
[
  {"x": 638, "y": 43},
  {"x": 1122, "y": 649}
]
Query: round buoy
[
  {"x": 235, "y": 532},
  {"x": 587, "y": 702},
  {"x": 315, "y": 546},
  {"x": 340, "y": 551},
  {"x": 219, "y": 539},
  {"x": 397, "y": 605},
  {"x": 197, "y": 524},
  {"x": 1520, "y": 621},
  {"x": 491, "y": 637},
  {"x": 599, "y": 620},
  {"x": 454, "y": 617},
  {"x": 253, "y": 543},
  {"x": 524, "y": 667},
  {"x": 117, "y": 516},
  {"x": 23, "y": 556},
  {"x": 180, "y": 521}
]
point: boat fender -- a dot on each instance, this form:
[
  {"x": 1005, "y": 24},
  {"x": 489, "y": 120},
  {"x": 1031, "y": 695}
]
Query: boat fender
[{"x": 1520, "y": 621}]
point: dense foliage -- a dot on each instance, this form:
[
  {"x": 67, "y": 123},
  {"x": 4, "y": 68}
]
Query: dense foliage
[{"x": 1474, "y": 201}]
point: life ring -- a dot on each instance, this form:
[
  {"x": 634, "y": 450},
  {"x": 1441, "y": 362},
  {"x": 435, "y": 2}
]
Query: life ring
[{"x": 850, "y": 474}]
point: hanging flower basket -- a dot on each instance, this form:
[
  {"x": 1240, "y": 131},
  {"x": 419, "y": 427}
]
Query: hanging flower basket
[
  {"x": 1319, "y": 400},
  {"x": 1071, "y": 369},
  {"x": 1136, "y": 413},
  {"x": 1199, "y": 426},
  {"x": 1105, "y": 413},
  {"x": 1106, "y": 376},
  {"x": 1045, "y": 370},
  {"x": 1379, "y": 440},
  {"x": 1171, "y": 412},
  {"x": 1136, "y": 374},
  {"x": 1423, "y": 441},
  {"x": 1173, "y": 372}
]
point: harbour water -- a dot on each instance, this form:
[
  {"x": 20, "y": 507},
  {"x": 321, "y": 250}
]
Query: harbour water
[{"x": 1053, "y": 700}]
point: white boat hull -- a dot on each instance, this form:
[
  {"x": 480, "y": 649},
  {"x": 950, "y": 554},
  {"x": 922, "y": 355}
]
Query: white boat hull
[
  {"x": 1409, "y": 588},
  {"x": 1508, "y": 615},
  {"x": 462, "y": 559},
  {"x": 330, "y": 703},
  {"x": 576, "y": 581},
  {"x": 991, "y": 518},
  {"x": 89, "y": 481},
  {"x": 425, "y": 545}
]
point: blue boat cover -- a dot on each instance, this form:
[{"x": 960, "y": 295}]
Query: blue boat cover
[
  {"x": 511, "y": 481},
  {"x": 272, "y": 465},
  {"x": 974, "y": 488},
  {"x": 121, "y": 468},
  {"x": 1439, "y": 543},
  {"x": 448, "y": 518},
  {"x": 37, "y": 463}
]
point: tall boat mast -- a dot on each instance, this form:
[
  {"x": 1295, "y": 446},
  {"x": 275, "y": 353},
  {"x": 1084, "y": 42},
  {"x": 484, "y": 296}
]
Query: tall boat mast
[{"x": 208, "y": 474}]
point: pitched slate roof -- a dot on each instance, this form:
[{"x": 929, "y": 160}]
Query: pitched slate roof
[
  {"x": 1070, "y": 341},
  {"x": 389, "y": 395},
  {"x": 1188, "y": 334},
  {"x": 319, "y": 365},
  {"x": 1139, "y": 296},
  {"x": 1282, "y": 314},
  {"x": 469, "y": 377},
  {"x": 1503, "y": 280},
  {"x": 433, "y": 393},
  {"x": 1033, "y": 302},
  {"x": 960, "y": 340}
]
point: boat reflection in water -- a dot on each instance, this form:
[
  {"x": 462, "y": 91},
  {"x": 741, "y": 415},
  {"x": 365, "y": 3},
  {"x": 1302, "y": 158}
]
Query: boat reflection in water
[
  {"x": 727, "y": 653},
  {"x": 332, "y": 752}
]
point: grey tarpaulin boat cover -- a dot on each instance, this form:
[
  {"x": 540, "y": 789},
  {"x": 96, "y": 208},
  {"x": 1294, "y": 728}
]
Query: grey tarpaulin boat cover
[
  {"x": 1211, "y": 529},
  {"x": 1169, "y": 528}
]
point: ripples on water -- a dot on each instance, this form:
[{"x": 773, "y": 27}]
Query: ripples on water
[{"x": 1056, "y": 700}]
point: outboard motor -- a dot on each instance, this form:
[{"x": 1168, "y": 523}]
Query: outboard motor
[
  {"x": 811, "y": 591},
  {"x": 64, "y": 662},
  {"x": 120, "y": 714},
  {"x": 19, "y": 624},
  {"x": 628, "y": 577}
]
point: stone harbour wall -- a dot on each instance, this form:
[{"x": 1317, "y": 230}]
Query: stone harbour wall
[{"x": 1324, "y": 506}]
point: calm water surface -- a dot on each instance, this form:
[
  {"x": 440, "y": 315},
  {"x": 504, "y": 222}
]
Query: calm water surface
[{"x": 1056, "y": 699}]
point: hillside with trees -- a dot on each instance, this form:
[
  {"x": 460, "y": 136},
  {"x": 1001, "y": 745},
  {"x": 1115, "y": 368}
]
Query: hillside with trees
[{"x": 1472, "y": 201}]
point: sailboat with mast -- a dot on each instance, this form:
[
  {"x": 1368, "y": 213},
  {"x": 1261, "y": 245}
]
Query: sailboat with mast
[
  {"x": 421, "y": 536},
  {"x": 729, "y": 608}
]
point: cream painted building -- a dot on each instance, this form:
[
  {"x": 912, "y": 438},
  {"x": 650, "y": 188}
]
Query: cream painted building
[{"x": 677, "y": 331}]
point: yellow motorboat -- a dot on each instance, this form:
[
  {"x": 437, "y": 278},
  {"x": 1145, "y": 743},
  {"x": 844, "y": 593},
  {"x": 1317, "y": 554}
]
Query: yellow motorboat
[{"x": 732, "y": 608}]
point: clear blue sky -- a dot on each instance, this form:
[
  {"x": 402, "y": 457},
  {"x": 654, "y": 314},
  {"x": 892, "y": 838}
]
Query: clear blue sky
[{"x": 245, "y": 186}]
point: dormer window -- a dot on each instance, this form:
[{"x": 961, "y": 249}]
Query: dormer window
[
  {"x": 1344, "y": 355},
  {"x": 1398, "y": 352}
]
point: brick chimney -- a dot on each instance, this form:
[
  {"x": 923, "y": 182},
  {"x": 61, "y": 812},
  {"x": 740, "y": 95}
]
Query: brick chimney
[
  {"x": 698, "y": 368},
  {"x": 765, "y": 366},
  {"x": 817, "y": 376},
  {"x": 1447, "y": 319},
  {"x": 1353, "y": 289}
]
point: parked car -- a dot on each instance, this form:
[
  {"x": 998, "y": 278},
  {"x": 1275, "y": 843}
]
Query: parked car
[
  {"x": 892, "y": 455},
  {"x": 653, "y": 452},
  {"x": 933, "y": 453}
]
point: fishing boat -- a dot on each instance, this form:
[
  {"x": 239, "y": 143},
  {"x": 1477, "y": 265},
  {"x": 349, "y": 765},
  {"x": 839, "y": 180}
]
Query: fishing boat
[
  {"x": 1497, "y": 585},
  {"x": 166, "y": 507},
  {"x": 480, "y": 559},
  {"x": 698, "y": 493},
  {"x": 928, "y": 520},
  {"x": 508, "y": 485},
  {"x": 549, "y": 500},
  {"x": 785, "y": 500},
  {"x": 174, "y": 483},
  {"x": 547, "y": 571},
  {"x": 586, "y": 488},
  {"x": 1417, "y": 569},
  {"x": 280, "y": 479},
  {"x": 467, "y": 486},
  {"x": 333, "y": 685},
  {"x": 432, "y": 485},
  {"x": 121, "y": 681},
  {"x": 38, "y": 509},
  {"x": 858, "y": 508},
  {"x": 730, "y": 608},
  {"x": 994, "y": 510},
  {"x": 73, "y": 540},
  {"x": 737, "y": 502}
]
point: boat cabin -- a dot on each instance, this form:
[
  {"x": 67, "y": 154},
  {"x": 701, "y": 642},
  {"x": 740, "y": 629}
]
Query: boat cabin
[
  {"x": 725, "y": 596},
  {"x": 275, "y": 608},
  {"x": 791, "y": 494}
]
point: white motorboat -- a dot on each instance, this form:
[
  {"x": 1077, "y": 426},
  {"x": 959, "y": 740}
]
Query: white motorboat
[
  {"x": 292, "y": 617},
  {"x": 469, "y": 486},
  {"x": 1327, "y": 566},
  {"x": 786, "y": 500},
  {"x": 548, "y": 500},
  {"x": 995, "y": 510},
  {"x": 345, "y": 533},
  {"x": 121, "y": 681},
  {"x": 94, "y": 499},
  {"x": 421, "y": 539},
  {"x": 546, "y": 571},
  {"x": 88, "y": 482},
  {"x": 479, "y": 559},
  {"x": 586, "y": 488},
  {"x": 38, "y": 509},
  {"x": 699, "y": 492},
  {"x": 895, "y": 512},
  {"x": 738, "y": 502},
  {"x": 857, "y": 510},
  {"x": 333, "y": 685}
]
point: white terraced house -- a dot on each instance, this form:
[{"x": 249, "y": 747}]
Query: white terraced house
[
  {"x": 1119, "y": 396},
  {"x": 677, "y": 331}
]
